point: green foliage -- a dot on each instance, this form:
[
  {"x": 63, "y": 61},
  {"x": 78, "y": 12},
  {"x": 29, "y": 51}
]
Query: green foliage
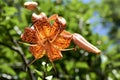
[
  {"x": 7, "y": 69},
  {"x": 75, "y": 65}
]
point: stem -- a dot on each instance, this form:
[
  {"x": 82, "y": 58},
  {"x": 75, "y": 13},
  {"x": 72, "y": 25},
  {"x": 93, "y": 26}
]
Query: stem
[
  {"x": 31, "y": 62},
  {"x": 55, "y": 71},
  {"x": 20, "y": 52},
  {"x": 45, "y": 70},
  {"x": 18, "y": 49}
]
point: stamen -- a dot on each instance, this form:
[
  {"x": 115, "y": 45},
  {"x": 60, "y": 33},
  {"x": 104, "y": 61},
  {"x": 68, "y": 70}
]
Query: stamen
[
  {"x": 55, "y": 36},
  {"x": 27, "y": 44},
  {"x": 68, "y": 49},
  {"x": 38, "y": 34}
]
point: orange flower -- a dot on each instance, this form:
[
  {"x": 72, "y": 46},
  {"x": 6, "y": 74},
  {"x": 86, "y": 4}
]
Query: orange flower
[{"x": 46, "y": 38}]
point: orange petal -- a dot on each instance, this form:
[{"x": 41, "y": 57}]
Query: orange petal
[
  {"x": 37, "y": 51},
  {"x": 63, "y": 40},
  {"x": 66, "y": 34},
  {"x": 42, "y": 26},
  {"x": 54, "y": 27},
  {"x": 41, "y": 29},
  {"x": 52, "y": 53},
  {"x": 53, "y": 17},
  {"x": 44, "y": 29},
  {"x": 61, "y": 23},
  {"x": 58, "y": 25},
  {"x": 29, "y": 35},
  {"x": 35, "y": 17},
  {"x": 84, "y": 44}
]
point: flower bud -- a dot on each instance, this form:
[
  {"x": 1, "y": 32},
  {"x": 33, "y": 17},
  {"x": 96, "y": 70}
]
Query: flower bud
[
  {"x": 84, "y": 44},
  {"x": 31, "y": 5}
]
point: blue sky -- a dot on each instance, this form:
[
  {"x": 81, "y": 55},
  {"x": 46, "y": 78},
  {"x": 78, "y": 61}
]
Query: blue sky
[
  {"x": 97, "y": 21},
  {"x": 88, "y": 1}
]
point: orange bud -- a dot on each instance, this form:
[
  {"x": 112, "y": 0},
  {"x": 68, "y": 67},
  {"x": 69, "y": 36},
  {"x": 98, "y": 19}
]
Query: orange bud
[
  {"x": 84, "y": 44},
  {"x": 31, "y": 5}
]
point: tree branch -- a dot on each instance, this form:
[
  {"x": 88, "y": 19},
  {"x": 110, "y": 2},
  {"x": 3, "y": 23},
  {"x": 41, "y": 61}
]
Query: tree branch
[{"x": 18, "y": 49}]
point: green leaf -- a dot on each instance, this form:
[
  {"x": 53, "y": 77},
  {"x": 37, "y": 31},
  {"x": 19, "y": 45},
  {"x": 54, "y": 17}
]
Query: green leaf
[
  {"x": 10, "y": 11},
  {"x": 82, "y": 65},
  {"x": 117, "y": 56},
  {"x": 38, "y": 72},
  {"x": 7, "y": 69},
  {"x": 69, "y": 65},
  {"x": 116, "y": 64},
  {"x": 49, "y": 68},
  {"x": 22, "y": 75},
  {"x": 93, "y": 76},
  {"x": 39, "y": 78}
]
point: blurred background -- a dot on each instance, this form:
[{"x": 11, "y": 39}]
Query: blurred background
[{"x": 97, "y": 20}]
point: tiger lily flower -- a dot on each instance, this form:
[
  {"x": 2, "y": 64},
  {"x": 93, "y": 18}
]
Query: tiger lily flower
[{"x": 48, "y": 39}]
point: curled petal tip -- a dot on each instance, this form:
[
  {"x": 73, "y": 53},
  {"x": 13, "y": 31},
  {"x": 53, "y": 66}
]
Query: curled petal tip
[
  {"x": 84, "y": 44},
  {"x": 36, "y": 17},
  {"x": 43, "y": 14},
  {"x": 61, "y": 21}
]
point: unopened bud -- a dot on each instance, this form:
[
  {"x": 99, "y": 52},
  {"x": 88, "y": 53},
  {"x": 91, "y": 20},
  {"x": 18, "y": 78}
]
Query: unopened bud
[
  {"x": 31, "y": 5},
  {"x": 84, "y": 44}
]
